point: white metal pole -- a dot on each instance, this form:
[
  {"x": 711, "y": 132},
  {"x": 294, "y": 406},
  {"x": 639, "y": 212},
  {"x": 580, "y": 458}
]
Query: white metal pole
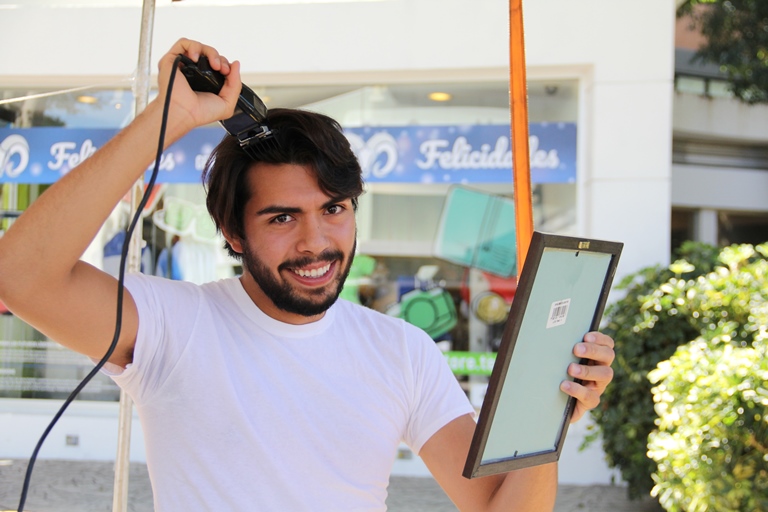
[{"x": 125, "y": 418}]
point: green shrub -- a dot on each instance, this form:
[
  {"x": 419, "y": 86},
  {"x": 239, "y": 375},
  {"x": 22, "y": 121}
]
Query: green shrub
[
  {"x": 647, "y": 329},
  {"x": 711, "y": 446},
  {"x": 712, "y": 443}
]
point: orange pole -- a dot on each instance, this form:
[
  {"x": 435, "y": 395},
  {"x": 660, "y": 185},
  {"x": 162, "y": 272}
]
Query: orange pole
[{"x": 518, "y": 110}]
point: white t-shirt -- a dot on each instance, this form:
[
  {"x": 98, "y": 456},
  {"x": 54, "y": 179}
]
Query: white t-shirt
[{"x": 243, "y": 412}]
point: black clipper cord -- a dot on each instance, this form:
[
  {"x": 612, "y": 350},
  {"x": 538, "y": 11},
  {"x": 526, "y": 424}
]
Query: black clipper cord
[
  {"x": 120, "y": 290},
  {"x": 248, "y": 124}
]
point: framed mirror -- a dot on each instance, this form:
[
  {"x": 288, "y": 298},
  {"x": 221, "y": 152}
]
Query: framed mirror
[{"x": 561, "y": 295}]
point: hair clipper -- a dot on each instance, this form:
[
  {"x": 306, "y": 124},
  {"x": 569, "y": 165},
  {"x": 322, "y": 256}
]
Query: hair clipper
[{"x": 248, "y": 123}]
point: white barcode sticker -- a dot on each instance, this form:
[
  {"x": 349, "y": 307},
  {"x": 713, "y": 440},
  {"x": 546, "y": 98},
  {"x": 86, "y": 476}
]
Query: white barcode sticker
[{"x": 558, "y": 313}]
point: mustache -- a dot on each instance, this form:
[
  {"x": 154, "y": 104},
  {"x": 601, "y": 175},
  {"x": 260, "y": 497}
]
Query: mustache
[{"x": 327, "y": 256}]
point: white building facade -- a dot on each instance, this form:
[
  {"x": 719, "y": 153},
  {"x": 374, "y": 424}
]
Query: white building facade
[{"x": 605, "y": 68}]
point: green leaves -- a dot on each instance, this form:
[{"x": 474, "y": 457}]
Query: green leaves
[
  {"x": 737, "y": 41},
  {"x": 703, "y": 402},
  {"x": 711, "y": 444}
]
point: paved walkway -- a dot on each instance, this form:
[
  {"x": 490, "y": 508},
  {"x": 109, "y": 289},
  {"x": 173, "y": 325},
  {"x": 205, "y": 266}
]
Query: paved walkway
[{"x": 69, "y": 486}]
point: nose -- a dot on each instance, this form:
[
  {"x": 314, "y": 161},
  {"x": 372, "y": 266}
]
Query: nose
[{"x": 313, "y": 238}]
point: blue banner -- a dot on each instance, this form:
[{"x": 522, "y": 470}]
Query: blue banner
[
  {"x": 462, "y": 154},
  {"x": 43, "y": 155},
  {"x": 404, "y": 154}
]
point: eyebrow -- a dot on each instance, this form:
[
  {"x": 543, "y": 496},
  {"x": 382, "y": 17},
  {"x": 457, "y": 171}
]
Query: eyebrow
[
  {"x": 269, "y": 210},
  {"x": 274, "y": 209}
]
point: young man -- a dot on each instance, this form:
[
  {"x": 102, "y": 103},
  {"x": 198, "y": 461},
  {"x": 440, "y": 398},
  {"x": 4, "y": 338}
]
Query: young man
[{"x": 263, "y": 392}]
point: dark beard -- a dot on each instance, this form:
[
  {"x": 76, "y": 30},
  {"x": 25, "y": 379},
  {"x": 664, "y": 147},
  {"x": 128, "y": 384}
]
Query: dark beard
[{"x": 283, "y": 295}]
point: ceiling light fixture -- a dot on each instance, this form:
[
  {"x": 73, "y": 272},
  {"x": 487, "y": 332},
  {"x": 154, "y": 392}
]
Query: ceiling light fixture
[
  {"x": 88, "y": 100},
  {"x": 440, "y": 96}
]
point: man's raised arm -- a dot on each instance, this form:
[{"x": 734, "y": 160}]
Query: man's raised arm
[{"x": 42, "y": 279}]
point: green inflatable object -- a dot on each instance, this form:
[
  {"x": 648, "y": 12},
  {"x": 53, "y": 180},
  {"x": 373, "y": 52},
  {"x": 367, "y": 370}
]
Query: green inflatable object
[
  {"x": 433, "y": 311},
  {"x": 362, "y": 266}
]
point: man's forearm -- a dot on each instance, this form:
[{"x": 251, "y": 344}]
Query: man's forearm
[{"x": 527, "y": 490}]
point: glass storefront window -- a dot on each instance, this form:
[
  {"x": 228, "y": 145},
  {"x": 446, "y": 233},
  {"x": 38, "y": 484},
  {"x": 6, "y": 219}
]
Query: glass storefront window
[{"x": 398, "y": 221}]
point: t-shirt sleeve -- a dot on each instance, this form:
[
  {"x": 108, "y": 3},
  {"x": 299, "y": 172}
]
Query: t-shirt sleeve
[
  {"x": 437, "y": 396},
  {"x": 167, "y": 310}
]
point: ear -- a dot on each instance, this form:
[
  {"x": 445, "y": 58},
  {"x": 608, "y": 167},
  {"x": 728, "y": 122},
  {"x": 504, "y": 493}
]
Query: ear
[{"x": 234, "y": 241}]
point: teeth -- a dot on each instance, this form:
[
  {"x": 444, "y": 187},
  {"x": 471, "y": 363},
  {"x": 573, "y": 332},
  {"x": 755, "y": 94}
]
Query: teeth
[{"x": 315, "y": 272}]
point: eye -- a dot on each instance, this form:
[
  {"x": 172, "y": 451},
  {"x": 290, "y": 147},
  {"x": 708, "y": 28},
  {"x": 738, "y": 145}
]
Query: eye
[
  {"x": 281, "y": 219},
  {"x": 335, "y": 209}
]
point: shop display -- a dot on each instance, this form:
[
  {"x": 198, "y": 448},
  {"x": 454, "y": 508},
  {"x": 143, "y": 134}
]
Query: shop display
[
  {"x": 478, "y": 230},
  {"x": 431, "y": 310}
]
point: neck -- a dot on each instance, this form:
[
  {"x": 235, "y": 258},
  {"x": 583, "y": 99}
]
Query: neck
[{"x": 265, "y": 304}]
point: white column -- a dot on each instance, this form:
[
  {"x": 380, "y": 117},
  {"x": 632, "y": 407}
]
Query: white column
[{"x": 705, "y": 226}]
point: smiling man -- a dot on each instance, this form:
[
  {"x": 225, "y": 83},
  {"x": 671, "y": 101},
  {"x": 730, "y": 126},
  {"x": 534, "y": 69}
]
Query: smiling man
[
  {"x": 262, "y": 392},
  {"x": 297, "y": 243}
]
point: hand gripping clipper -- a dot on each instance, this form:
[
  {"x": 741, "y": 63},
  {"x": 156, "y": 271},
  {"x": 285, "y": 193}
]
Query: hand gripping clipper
[{"x": 248, "y": 123}]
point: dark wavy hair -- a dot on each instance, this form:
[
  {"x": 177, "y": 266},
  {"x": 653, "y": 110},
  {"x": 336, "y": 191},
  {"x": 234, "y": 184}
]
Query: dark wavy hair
[{"x": 301, "y": 138}]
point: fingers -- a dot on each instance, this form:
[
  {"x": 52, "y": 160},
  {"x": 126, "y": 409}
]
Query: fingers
[
  {"x": 597, "y": 355},
  {"x": 194, "y": 49},
  {"x": 232, "y": 84},
  {"x": 593, "y": 372},
  {"x": 190, "y": 109},
  {"x": 598, "y": 374},
  {"x": 597, "y": 348},
  {"x": 588, "y": 397}
]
